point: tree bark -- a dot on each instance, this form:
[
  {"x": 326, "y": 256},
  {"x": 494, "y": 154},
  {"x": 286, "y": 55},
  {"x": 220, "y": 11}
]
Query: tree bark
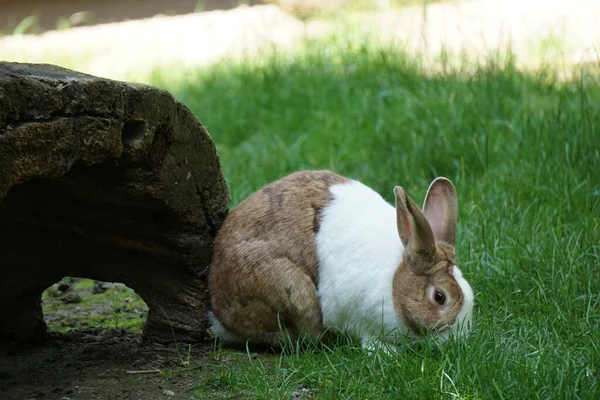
[{"x": 106, "y": 180}]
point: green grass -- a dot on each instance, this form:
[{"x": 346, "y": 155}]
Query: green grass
[
  {"x": 524, "y": 153},
  {"x": 112, "y": 309}
]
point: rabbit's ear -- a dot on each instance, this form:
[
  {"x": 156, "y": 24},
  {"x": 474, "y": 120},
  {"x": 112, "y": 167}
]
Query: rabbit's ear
[
  {"x": 441, "y": 210},
  {"x": 414, "y": 230}
]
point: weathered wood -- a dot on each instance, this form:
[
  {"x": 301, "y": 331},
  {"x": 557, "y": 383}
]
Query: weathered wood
[{"x": 106, "y": 180}]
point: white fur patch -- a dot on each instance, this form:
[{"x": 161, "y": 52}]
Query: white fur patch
[
  {"x": 218, "y": 330},
  {"x": 359, "y": 251},
  {"x": 464, "y": 319}
]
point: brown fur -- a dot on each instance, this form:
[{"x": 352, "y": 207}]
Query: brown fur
[
  {"x": 412, "y": 301},
  {"x": 266, "y": 244},
  {"x": 428, "y": 237}
]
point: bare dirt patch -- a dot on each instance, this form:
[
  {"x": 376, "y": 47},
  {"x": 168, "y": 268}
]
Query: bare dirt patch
[
  {"x": 92, "y": 351},
  {"x": 97, "y": 364}
]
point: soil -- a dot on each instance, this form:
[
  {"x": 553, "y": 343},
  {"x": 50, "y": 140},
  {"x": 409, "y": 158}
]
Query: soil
[{"x": 97, "y": 364}]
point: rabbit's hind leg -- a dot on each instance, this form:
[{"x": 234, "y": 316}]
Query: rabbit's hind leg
[{"x": 271, "y": 301}]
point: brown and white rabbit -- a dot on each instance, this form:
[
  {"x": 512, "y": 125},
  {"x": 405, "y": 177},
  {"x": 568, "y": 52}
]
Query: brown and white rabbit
[{"x": 316, "y": 251}]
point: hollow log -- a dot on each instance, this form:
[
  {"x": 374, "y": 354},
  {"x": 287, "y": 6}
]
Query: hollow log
[{"x": 106, "y": 180}]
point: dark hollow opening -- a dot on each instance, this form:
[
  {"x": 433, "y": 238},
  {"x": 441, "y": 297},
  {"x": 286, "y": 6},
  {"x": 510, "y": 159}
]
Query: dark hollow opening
[{"x": 89, "y": 223}]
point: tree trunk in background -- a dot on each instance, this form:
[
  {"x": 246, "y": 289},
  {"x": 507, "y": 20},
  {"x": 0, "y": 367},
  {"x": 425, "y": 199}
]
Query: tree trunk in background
[{"x": 105, "y": 180}]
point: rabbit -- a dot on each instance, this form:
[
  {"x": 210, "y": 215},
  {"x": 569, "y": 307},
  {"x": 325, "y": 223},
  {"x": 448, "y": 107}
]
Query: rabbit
[{"x": 316, "y": 252}]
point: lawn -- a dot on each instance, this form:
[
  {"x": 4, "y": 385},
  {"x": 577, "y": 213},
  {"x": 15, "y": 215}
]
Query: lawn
[{"x": 524, "y": 153}]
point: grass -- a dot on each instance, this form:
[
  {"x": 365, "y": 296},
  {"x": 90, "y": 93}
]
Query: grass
[
  {"x": 524, "y": 153},
  {"x": 80, "y": 308}
]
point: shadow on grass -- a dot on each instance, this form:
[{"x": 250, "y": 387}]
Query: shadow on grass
[{"x": 378, "y": 116}]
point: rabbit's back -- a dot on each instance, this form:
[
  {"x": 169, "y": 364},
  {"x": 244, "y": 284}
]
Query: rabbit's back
[{"x": 282, "y": 217}]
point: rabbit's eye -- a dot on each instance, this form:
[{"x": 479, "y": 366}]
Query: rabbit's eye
[{"x": 439, "y": 298}]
